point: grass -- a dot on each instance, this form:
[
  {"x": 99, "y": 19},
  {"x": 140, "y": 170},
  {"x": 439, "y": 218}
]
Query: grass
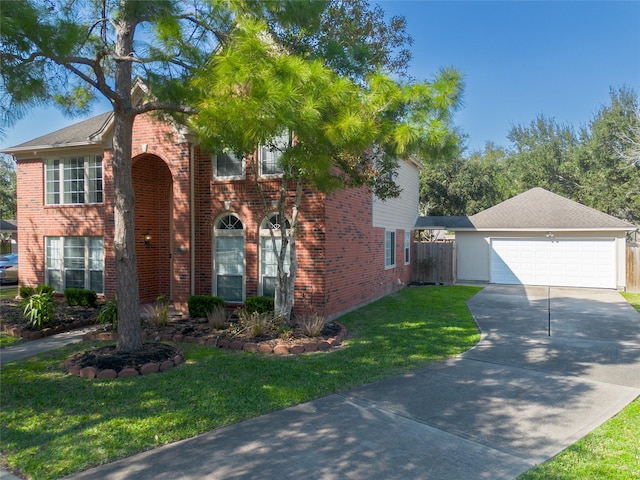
[
  {"x": 8, "y": 340},
  {"x": 8, "y": 293},
  {"x": 633, "y": 299},
  {"x": 609, "y": 452},
  {"x": 54, "y": 424}
]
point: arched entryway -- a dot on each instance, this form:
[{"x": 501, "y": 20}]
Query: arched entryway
[{"x": 153, "y": 188}]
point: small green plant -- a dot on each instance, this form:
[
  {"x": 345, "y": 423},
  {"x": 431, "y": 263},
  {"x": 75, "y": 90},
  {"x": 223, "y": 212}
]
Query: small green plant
[
  {"x": 218, "y": 317},
  {"x": 158, "y": 313},
  {"x": 258, "y": 324},
  {"x": 81, "y": 297},
  {"x": 39, "y": 309},
  {"x": 199, "y": 305},
  {"x": 108, "y": 315},
  {"x": 259, "y": 304},
  {"x": 311, "y": 323}
]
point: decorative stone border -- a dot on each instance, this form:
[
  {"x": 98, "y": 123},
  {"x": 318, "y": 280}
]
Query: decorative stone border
[
  {"x": 262, "y": 347},
  {"x": 109, "y": 373},
  {"x": 45, "y": 332}
]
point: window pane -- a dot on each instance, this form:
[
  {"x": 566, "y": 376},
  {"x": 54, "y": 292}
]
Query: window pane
[
  {"x": 95, "y": 179},
  {"x": 230, "y": 287},
  {"x": 96, "y": 254},
  {"x": 269, "y": 264},
  {"x": 227, "y": 165},
  {"x": 96, "y": 279},
  {"x": 270, "y": 155},
  {"x": 268, "y": 286},
  {"x": 74, "y": 278},
  {"x": 229, "y": 255},
  {"x": 55, "y": 280},
  {"x": 389, "y": 249},
  {"x": 73, "y": 184},
  {"x": 53, "y": 182}
]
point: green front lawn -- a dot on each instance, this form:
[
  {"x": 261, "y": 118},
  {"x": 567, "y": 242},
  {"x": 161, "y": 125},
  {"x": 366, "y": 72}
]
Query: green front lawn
[
  {"x": 54, "y": 424},
  {"x": 8, "y": 293},
  {"x": 609, "y": 452}
]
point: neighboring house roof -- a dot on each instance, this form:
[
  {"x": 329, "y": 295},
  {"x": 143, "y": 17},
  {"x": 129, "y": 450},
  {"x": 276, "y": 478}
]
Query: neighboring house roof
[
  {"x": 8, "y": 225},
  {"x": 87, "y": 132},
  {"x": 535, "y": 209}
]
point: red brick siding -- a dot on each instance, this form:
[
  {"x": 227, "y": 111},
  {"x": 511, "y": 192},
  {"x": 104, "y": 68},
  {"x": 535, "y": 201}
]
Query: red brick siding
[{"x": 355, "y": 270}]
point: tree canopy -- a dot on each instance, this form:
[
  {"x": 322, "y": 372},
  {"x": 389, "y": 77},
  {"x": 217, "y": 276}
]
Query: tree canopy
[
  {"x": 596, "y": 165},
  {"x": 70, "y": 52}
]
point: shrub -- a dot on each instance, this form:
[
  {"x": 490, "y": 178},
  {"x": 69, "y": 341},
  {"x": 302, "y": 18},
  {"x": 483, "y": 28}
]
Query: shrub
[
  {"x": 80, "y": 296},
  {"x": 199, "y": 305},
  {"x": 26, "y": 291},
  {"x": 39, "y": 309},
  {"x": 218, "y": 317},
  {"x": 259, "y": 304},
  {"x": 311, "y": 323},
  {"x": 108, "y": 315}
]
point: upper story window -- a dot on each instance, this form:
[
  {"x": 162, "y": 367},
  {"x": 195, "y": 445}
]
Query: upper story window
[
  {"x": 74, "y": 180},
  {"x": 269, "y": 155},
  {"x": 227, "y": 165}
]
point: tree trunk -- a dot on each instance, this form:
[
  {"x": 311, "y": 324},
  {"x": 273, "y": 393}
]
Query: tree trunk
[{"x": 129, "y": 328}]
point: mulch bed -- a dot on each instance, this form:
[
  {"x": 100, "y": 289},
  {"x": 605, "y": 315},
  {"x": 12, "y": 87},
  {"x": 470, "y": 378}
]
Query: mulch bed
[{"x": 159, "y": 351}]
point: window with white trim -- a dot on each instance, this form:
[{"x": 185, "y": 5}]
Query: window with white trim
[
  {"x": 269, "y": 255},
  {"x": 389, "y": 249},
  {"x": 74, "y": 180},
  {"x": 407, "y": 247},
  {"x": 229, "y": 264},
  {"x": 269, "y": 155},
  {"x": 227, "y": 165},
  {"x": 75, "y": 262}
]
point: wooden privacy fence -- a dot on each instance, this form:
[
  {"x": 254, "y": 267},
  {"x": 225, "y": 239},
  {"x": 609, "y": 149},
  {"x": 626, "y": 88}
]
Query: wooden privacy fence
[
  {"x": 633, "y": 267},
  {"x": 434, "y": 262}
]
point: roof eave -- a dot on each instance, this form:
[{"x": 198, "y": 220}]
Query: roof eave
[
  {"x": 545, "y": 229},
  {"x": 36, "y": 149}
]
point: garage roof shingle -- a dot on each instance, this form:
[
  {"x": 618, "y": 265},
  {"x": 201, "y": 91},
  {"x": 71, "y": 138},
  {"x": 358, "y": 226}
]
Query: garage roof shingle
[{"x": 540, "y": 209}]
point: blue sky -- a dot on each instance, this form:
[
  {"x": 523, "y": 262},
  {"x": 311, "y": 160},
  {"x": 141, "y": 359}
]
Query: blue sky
[{"x": 520, "y": 60}]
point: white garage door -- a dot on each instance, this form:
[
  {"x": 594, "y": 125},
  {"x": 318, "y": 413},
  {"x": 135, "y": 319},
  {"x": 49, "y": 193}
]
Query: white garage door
[{"x": 570, "y": 263}]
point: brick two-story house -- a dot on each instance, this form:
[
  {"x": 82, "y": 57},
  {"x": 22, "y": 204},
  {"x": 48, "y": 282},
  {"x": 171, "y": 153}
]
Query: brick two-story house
[{"x": 200, "y": 225}]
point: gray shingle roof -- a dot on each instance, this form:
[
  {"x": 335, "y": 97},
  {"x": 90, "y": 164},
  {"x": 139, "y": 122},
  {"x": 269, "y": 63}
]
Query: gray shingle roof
[
  {"x": 86, "y": 132},
  {"x": 540, "y": 209},
  {"x": 535, "y": 209}
]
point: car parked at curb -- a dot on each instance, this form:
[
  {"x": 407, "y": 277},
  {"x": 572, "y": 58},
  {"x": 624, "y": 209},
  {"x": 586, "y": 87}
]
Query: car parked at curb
[{"x": 9, "y": 268}]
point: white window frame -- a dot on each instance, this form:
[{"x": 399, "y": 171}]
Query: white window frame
[
  {"x": 407, "y": 247},
  {"x": 229, "y": 229},
  {"x": 266, "y": 241},
  {"x": 59, "y": 185},
  {"x": 214, "y": 167},
  {"x": 57, "y": 260},
  {"x": 283, "y": 140},
  {"x": 389, "y": 248}
]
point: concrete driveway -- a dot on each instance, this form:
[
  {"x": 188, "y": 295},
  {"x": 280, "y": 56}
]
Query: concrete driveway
[{"x": 516, "y": 399}]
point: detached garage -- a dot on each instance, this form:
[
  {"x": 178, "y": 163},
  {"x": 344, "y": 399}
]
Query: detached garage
[{"x": 540, "y": 238}]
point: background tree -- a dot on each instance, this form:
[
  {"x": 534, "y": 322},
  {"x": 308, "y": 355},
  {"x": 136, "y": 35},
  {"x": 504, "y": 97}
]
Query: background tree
[
  {"x": 7, "y": 187},
  {"x": 609, "y": 181},
  {"x": 343, "y": 132},
  {"x": 597, "y": 167}
]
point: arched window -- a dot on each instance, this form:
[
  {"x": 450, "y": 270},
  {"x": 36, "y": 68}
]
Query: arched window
[
  {"x": 269, "y": 256},
  {"x": 228, "y": 263}
]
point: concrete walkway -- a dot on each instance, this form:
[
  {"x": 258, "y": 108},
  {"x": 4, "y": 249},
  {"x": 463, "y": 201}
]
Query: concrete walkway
[{"x": 515, "y": 400}]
